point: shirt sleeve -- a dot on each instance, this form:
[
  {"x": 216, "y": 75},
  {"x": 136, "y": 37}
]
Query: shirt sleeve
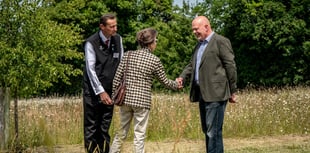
[
  {"x": 90, "y": 59},
  {"x": 122, "y": 48}
]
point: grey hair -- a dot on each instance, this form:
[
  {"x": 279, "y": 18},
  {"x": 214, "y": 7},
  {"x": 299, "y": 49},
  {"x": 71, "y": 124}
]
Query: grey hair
[{"x": 146, "y": 37}]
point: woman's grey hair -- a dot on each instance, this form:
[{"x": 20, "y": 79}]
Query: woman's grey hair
[{"x": 146, "y": 37}]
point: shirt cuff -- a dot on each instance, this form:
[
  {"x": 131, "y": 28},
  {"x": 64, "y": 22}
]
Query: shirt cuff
[{"x": 99, "y": 90}]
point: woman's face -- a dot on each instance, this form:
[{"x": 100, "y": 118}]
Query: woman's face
[{"x": 152, "y": 46}]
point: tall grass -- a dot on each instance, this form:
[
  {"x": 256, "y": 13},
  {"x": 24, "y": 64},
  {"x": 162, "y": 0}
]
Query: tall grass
[
  {"x": 258, "y": 113},
  {"x": 269, "y": 112},
  {"x": 49, "y": 121}
]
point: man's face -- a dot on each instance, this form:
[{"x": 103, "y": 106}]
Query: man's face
[
  {"x": 110, "y": 29},
  {"x": 200, "y": 30}
]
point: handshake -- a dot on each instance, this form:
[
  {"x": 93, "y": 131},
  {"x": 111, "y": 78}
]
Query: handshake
[
  {"x": 180, "y": 82},
  {"x": 232, "y": 99}
]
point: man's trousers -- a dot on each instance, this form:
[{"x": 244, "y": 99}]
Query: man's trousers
[{"x": 97, "y": 121}]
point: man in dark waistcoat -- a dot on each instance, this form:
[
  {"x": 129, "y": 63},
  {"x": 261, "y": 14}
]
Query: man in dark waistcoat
[{"x": 103, "y": 52}]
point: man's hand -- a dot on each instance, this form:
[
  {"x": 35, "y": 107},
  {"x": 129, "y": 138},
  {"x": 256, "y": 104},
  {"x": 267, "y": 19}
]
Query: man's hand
[
  {"x": 180, "y": 82},
  {"x": 105, "y": 98},
  {"x": 233, "y": 98}
]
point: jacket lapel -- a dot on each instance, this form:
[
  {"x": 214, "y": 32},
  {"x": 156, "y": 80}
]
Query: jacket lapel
[
  {"x": 195, "y": 56},
  {"x": 210, "y": 44}
]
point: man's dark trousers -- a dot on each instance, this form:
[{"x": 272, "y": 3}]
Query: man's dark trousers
[{"x": 97, "y": 121}]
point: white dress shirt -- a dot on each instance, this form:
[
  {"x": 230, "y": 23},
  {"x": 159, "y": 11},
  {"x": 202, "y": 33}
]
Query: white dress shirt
[{"x": 90, "y": 59}]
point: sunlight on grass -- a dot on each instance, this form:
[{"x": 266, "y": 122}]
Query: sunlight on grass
[
  {"x": 53, "y": 121},
  {"x": 269, "y": 112},
  {"x": 50, "y": 121}
]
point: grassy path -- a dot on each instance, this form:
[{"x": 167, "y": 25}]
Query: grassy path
[{"x": 272, "y": 144}]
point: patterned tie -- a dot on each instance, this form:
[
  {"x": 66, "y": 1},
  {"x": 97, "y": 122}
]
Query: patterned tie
[{"x": 107, "y": 42}]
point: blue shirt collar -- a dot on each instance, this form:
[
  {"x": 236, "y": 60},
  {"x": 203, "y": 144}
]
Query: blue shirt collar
[{"x": 208, "y": 38}]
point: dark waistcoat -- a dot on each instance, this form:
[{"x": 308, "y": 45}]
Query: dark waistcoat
[{"x": 107, "y": 60}]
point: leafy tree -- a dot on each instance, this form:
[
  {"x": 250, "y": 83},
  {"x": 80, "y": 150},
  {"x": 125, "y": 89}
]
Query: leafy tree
[
  {"x": 269, "y": 38},
  {"x": 33, "y": 48},
  {"x": 175, "y": 41},
  {"x": 264, "y": 34},
  {"x": 82, "y": 15},
  {"x": 175, "y": 38}
]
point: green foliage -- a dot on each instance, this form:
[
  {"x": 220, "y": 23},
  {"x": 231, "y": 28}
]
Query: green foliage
[
  {"x": 83, "y": 14},
  {"x": 32, "y": 56},
  {"x": 175, "y": 43},
  {"x": 175, "y": 46},
  {"x": 268, "y": 38}
]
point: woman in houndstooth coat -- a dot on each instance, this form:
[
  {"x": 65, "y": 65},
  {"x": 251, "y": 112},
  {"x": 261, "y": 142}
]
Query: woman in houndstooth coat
[{"x": 143, "y": 68}]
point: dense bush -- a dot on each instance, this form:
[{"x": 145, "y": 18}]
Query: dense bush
[{"x": 270, "y": 39}]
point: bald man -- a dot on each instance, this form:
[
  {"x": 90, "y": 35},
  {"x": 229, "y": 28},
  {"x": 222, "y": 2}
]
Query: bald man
[{"x": 213, "y": 80}]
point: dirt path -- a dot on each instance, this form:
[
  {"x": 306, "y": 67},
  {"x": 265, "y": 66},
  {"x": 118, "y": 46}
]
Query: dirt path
[{"x": 184, "y": 146}]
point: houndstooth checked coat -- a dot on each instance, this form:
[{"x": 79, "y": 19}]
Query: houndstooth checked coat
[{"x": 143, "y": 67}]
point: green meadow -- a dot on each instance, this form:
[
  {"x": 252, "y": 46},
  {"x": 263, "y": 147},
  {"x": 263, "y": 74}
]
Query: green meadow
[{"x": 259, "y": 113}]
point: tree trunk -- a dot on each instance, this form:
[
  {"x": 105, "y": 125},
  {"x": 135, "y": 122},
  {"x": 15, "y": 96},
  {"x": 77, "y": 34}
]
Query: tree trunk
[
  {"x": 16, "y": 120},
  {"x": 4, "y": 117}
]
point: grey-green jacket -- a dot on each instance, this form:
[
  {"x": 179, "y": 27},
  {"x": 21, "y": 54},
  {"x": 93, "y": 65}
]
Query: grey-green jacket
[{"x": 217, "y": 71}]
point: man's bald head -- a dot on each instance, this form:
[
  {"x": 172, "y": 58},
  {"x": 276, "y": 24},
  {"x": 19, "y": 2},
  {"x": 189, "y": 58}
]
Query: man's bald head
[{"x": 201, "y": 27}]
